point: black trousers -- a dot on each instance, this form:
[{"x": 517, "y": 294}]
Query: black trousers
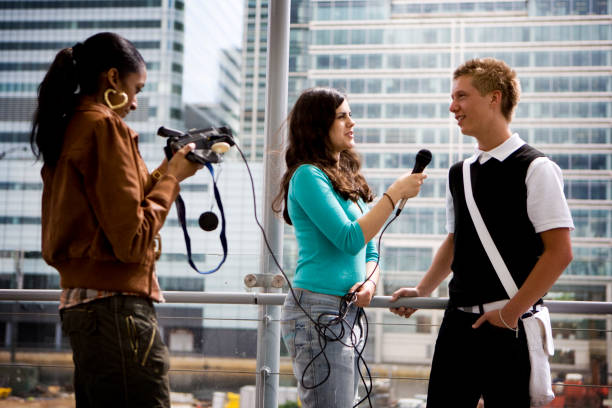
[
  {"x": 119, "y": 357},
  {"x": 488, "y": 361}
]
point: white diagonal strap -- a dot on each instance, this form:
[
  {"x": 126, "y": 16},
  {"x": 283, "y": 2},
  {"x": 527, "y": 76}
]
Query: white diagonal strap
[{"x": 487, "y": 242}]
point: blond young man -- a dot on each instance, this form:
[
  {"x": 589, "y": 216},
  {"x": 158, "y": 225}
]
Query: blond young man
[{"x": 519, "y": 193}]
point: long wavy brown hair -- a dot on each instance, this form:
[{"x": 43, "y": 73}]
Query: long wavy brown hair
[{"x": 308, "y": 143}]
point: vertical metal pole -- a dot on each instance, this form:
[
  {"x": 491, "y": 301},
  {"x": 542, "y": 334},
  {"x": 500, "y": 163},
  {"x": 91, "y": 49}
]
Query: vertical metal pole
[
  {"x": 18, "y": 257},
  {"x": 378, "y": 329},
  {"x": 608, "y": 379},
  {"x": 268, "y": 331}
]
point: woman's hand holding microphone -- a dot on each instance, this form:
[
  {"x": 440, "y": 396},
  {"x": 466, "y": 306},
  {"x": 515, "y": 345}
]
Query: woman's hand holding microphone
[{"x": 406, "y": 186}]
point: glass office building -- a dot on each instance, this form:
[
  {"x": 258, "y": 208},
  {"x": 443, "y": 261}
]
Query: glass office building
[
  {"x": 31, "y": 33},
  {"x": 395, "y": 59}
]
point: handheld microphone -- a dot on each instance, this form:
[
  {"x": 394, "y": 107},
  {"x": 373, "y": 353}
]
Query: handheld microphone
[
  {"x": 208, "y": 221},
  {"x": 423, "y": 158}
]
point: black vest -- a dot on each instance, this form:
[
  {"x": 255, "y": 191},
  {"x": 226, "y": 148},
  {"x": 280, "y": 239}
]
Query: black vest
[{"x": 500, "y": 193}]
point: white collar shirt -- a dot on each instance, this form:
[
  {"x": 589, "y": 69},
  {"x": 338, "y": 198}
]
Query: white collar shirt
[
  {"x": 546, "y": 204},
  {"x": 500, "y": 152}
]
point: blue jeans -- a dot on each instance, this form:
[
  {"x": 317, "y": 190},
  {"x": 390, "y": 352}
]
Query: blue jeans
[
  {"x": 119, "y": 357},
  {"x": 304, "y": 342}
]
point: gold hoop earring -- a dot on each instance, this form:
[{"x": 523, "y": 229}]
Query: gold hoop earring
[{"x": 119, "y": 105}]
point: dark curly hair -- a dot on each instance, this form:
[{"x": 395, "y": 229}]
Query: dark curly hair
[{"x": 308, "y": 143}]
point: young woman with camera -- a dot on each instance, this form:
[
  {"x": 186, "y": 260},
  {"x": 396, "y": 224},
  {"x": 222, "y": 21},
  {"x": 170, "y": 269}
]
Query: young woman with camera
[{"x": 101, "y": 215}]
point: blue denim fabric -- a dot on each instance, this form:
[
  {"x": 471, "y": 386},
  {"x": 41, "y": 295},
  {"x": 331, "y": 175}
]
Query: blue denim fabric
[
  {"x": 304, "y": 344},
  {"x": 119, "y": 357}
]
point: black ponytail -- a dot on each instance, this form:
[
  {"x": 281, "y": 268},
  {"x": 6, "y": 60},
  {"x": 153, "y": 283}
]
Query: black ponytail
[{"x": 56, "y": 99}]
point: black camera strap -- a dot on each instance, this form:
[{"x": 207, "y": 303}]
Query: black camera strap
[{"x": 180, "y": 210}]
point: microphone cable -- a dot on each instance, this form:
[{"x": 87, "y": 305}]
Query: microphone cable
[
  {"x": 360, "y": 357},
  {"x": 324, "y": 329}
]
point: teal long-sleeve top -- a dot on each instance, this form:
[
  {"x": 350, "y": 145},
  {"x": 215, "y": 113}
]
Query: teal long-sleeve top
[{"x": 332, "y": 253}]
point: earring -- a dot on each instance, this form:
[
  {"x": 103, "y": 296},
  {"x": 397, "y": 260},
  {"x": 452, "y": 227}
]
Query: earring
[{"x": 120, "y": 104}]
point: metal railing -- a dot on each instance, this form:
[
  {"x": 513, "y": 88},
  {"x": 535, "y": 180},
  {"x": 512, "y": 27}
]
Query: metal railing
[
  {"x": 268, "y": 300},
  {"x": 254, "y": 298}
]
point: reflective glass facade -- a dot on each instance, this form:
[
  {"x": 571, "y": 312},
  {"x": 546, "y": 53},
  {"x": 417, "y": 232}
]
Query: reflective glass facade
[
  {"x": 395, "y": 60},
  {"x": 31, "y": 33}
]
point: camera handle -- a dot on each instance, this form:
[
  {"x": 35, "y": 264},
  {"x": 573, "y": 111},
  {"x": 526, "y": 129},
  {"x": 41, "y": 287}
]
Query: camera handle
[{"x": 180, "y": 210}]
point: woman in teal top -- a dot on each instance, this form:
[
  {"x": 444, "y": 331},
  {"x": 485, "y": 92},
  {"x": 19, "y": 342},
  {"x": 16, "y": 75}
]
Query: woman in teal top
[{"x": 324, "y": 196}]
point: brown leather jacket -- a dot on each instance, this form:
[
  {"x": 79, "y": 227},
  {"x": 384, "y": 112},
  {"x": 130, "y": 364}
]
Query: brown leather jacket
[{"x": 101, "y": 210}]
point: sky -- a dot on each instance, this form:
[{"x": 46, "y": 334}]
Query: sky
[{"x": 210, "y": 25}]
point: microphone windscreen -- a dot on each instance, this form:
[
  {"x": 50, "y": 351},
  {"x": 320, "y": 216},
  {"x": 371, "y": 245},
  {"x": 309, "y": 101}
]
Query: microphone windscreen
[
  {"x": 208, "y": 221},
  {"x": 423, "y": 158}
]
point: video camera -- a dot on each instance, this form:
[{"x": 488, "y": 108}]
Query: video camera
[{"x": 210, "y": 143}]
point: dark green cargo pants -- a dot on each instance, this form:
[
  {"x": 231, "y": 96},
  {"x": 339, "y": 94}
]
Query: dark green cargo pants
[{"x": 119, "y": 356}]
